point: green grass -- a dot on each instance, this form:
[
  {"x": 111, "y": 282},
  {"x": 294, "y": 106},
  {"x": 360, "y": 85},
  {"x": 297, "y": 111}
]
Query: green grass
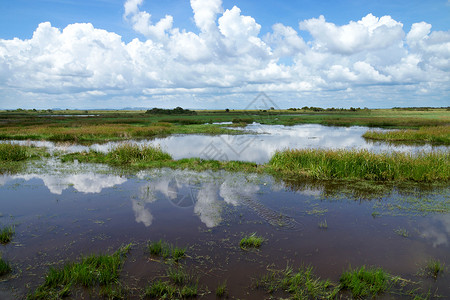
[
  {"x": 251, "y": 241},
  {"x": 91, "y": 271},
  {"x": 221, "y": 290},
  {"x": 433, "y": 268},
  {"x": 302, "y": 284},
  {"x": 402, "y": 232},
  {"x": 323, "y": 224},
  {"x": 131, "y": 153},
  {"x": 180, "y": 285},
  {"x": 5, "y": 268},
  {"x": 362, "y": 164},
  {"x": 6, "y": 234},
  {"x": 166, "y": 250},
  {"x": 365, "y": 282},
  {"x": 432, "y": 134},
  {"x": 12, "y": 152}
]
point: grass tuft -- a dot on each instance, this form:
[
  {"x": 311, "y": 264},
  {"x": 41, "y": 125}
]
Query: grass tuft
[
  {"x": 433, "y": 268},
  {"x": 166, "y": 250},
  {"x": 364, "y": 282},
  {"x": 93, "y": 270},
  {"x": 221, "y": 290},
  {"x": 302, "y": 284},
  {"x": 5, "y": 268},
  {"x": 251, "y": 241},
  {"x": 12, "y": 152},
  {"x": 6, "y": 234}
]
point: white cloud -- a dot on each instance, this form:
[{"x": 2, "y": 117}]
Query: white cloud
[{"x": 227, "y": 57}]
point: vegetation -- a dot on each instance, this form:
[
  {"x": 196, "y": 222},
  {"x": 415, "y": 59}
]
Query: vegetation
[
  {"x": 69, "y": 125},
  {"x": 302, "y": 284},
  {"x": 362, "y": 164},
  {"x": 92, "y": 271},
  {"x": 5, "y": 268},
  {"x": 364, "y": 282},
  {"x": 436, "y": 134},
  {"x": 6, "y": 234},
  {"x": 433, "y": 268},
  {"x": 181, "y": 285},
  {"x": 12, "y": 152},
  {"x": 221, "y": 290},
  {"x": 251, "y": 241},
  {"x": 166, "y": 250},
  {"x": 402, "y": 232}
]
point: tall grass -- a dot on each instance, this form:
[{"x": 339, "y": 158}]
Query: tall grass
[
  {"x": 132, "y": 153},
  {"x": 12, "y": 152},
  {"x": 5, "y": 268},
  {"x": 6, "y": 234},
  {"x": 362, "y": 164},
  {"x": 437, "y": 134}
]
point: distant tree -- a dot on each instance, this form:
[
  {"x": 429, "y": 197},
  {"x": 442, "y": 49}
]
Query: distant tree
[{"x": 227, "y": 110}]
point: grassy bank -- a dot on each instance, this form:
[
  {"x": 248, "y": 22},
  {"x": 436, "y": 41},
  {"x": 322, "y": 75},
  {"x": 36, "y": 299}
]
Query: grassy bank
[
  {"x": 314, "y": 164},
  {"x": 12, "y": 156},
  {"x": 362, "y": 164},
  {"x": 122, "y": 125},
  {"x": 437, "y": 134}
]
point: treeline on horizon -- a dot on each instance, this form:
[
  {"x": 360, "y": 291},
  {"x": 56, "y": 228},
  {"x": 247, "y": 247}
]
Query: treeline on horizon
[{"x": 179, "y": 110}]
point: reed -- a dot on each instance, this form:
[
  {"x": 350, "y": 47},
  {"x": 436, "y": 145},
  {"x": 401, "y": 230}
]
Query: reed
[
  {"x": 362, "y": 164},
  {"x": 436, "y": 134},
  {"x": 12, "y": 152}
]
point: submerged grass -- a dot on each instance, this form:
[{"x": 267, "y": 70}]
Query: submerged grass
[
  {"x": 166, "y": 250},
  {"x": 362, "y": 164},
  {"x": 302, "y": 284},
  {"x": 5, "y": 268},
  {"x": 93, "y": 270},
  {"x": 435, "y": 134},
  {"x": 364, "y": 282},
  {"x": 6, "y": 234},
  {"x": 433, "y": 268},
  {"x": 251, "y": 241}
]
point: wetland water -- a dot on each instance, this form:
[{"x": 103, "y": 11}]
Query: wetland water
[
  {"x": 259, "y": 146},
  {"x": 61, "y": 211}
]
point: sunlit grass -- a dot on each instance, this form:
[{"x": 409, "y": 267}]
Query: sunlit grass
[
  {"x": 365, "y": 282},
  {"x": 12, "y": 152},
  {"x": 362, "y": 164},
  {"x": 93, "y": 270},
  {"x": 251, "y": 241},
  {"x": 434, "y": 134}
]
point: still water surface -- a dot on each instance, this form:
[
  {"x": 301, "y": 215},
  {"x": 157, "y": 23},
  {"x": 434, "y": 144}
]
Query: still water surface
[{"x": 64, "y": 210}]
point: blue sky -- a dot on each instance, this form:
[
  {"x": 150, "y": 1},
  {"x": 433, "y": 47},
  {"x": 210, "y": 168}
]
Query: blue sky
[{"x": 215, "y": 54}]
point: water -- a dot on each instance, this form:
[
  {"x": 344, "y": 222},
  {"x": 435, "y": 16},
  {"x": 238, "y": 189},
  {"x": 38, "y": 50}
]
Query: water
[
  {"x": 64, "y": 210},
  {"x": 258, "y": 147}
]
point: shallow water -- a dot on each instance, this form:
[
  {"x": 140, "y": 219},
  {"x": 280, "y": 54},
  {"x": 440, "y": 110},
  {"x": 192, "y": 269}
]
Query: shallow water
[
  {"x": 259, "y": 146},
  {"x": 63, "y": 211}
]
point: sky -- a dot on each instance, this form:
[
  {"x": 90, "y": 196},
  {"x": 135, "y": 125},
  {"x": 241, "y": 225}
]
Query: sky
[{"x": 206, "y": 54}]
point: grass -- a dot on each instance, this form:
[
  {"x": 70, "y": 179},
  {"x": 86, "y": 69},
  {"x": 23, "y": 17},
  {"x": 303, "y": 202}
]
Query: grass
[
  {"x": 166, "y": 250},
  {"x": 6, "y": 234},
  {"x": 433, "y": 268},
  {"x": 302, "y": 284},
  {"x": 431, "y": 134},
  {"x": 365, "y": 282},
  {"x": 362, "y": 164},
  {"x": 180, "y": 285},
  {"x": 5, "y": 268},
  {"x": 251, "y": 241},
  {"x": 130, "y": 153},
  {"x": 12, "y": 152},
  {"x": 323, "y": 224},
  {"x": 221, "y": 290},
  {"x": 91, "y": 271},
  {"x": 402, "y": 232}
]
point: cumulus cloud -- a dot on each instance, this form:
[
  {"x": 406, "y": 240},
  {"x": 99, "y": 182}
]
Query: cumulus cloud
[{"x": 228, "y": 56}]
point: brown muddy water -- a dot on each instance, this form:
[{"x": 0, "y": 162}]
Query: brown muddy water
[{"x": 66, "y": 211}]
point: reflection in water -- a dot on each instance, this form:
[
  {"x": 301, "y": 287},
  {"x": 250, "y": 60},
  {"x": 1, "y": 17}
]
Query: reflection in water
[
  {"x": 85, "y": 183},
  {"x": 257, "y": 147},
  {"x": 438, "y": 230}
]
